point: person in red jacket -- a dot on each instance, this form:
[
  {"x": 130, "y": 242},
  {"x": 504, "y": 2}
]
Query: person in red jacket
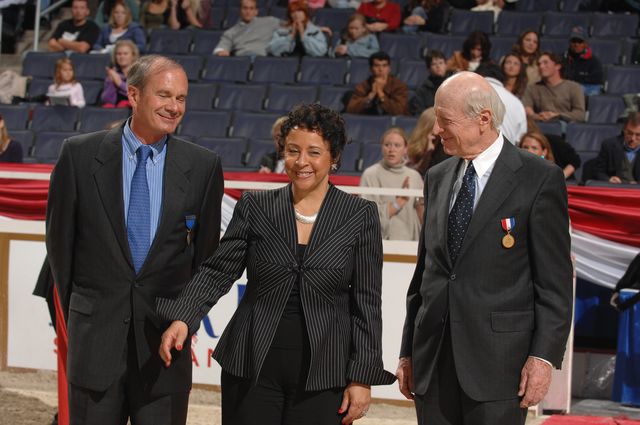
[{"x": 381, "y": 15}]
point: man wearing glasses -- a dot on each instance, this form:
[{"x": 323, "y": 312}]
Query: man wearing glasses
[{"x": 619, "y": 158}]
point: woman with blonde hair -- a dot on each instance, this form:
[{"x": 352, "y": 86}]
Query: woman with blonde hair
[
  {"x": 65, "y": 84},
  {"x": 357, "y": 41},
  {"x": 121, "y": 27},
  {"x": 425, "y": 147},
  {"x": 114, "y": 92}
]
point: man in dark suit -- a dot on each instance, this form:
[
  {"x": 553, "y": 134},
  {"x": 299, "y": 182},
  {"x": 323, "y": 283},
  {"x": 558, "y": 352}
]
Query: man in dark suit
[
  {"x": 618, "y": 160},
  {"x": 132, "y": 212},
  {"x": 489, "y": 305}
]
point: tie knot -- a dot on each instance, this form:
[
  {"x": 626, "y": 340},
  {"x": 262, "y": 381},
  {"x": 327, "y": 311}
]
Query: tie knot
[
  {"x": 143, "y": 153},
  {"x": 470, "y": 171}
]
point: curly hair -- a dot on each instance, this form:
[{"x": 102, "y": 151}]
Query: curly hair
[{"x": 319, "y": 119}]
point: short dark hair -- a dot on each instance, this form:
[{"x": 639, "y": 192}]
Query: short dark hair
[
  {"x": 379, "y": 56},
  {"x": 633, "y": 118},
  {"x": 477, "y": 38},
  {"x": 320, "y": 119},
  {"x": 434, "y": 54}
]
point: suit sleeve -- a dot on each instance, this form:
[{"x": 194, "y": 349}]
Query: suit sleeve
[
  {"x": 550, "y": 258},
  {"x": 209, "y": 231},
  {"x": 215, "y": 277},
  {"x": 60, "y": 223},
  {"x": 365, "y": 362}
]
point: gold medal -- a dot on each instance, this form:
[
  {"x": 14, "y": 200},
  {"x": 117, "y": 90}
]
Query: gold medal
[{"x": 508, "y": 241}]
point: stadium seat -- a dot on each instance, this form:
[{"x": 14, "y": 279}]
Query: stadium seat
[
  {"x": 536, "y": 5},
  {"x": 40, "y": 64},
  {"x": 412, "y": 72},
  {"x": 258, "y": 148},
  {"x": 561, "y": 23},
  {"x": 514, "y": 23},
  {"x": 608, "y": 51},
  {"x": 25, "y": 138},
  {"x": 93, "y": 118},
  {"x": 240, "y": 97},
  {"x": 336, "y": 19},
  {"x": 252, "y": 125},
  {"x": 323, "y": 71},
  {"x": 90, "y": 67},
  {"x": 192, "y": 65},
  {"x": 614, "y": 25},
  {"x": 570, "y": 5},
  {"x": 605, "y": 109},
  {"x": 406, "y": 123},
  {"x": 401, "y": 46},
  {"x": 462, "y": 22},
  {"x": 350, "y": 161},
  {"x": 15, "y": 116},
  {"x": 557, "y": 45},
  {"x": 589, "y": 137},
  {"x": 500, "y": 46},
  {"x": 587, "y": 171},
  {"x": 230, "y": 150},
  {"x": 366, "y": 129},
  {"x": 278, "y": 12},
  {"x": 48, "y": 144},
  {"x": 168, "y": 41},
  {"x": 274, "y": 70},
  {"x": 334, "y": 97},
  {"x": 371, "y": 153},
  {"x": 282, "y": 98},
  {"x": 550, "y": 127},
  {"x": 201, "y": 96},
  {"x": 446, "y": 43},
  {"x": 232, "y": 16},
  {"x": 205, "y": 41},
  {"x": 622, "y": 79},
  {"x": 39, "y": 86},
  {"x": 226, "y": 69},
  {"x": 92, "y": 90},
  {"x": 54, "y": 118},
  {"x": 197, "y": 124}
]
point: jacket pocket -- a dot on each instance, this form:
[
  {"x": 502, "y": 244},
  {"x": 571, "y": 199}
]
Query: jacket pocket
[
  {"x": 81, "y": 304},
  {"x": 512, "y": 321}
]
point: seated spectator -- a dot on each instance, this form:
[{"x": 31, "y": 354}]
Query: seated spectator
[
  {"x": 344, "y": 4},
  {"x": 381, "y": 15},
  {"x": 121, "y": 27},
  {"x": 425, "y": 147},
  {"x": 114, "y": 92},
  {"x": 155, "y": 14},
  {"x": 400, "y": 216},
  {"x": 271, "y": 162},
  {"x": 77, "y": 34},
  {"x": 554, "y": 98},
  {"x": 381, "y": 93},
  {"x": 103, "y": 13},
  {"x": 425, "y": 95},
  {"x": 250, "y": 35},
  {"x": 619, "y": 160},
  {"x": 515, "y": 74},
  {"x": 425, "y": 15},
  {"x": 581, "y": 65},
  {"x": 476, "y": 50},
  {"x": 65, "y": 84},
  {"x": 184, "y": 14},
  {"x": 494, "y": 6},
  {"x": 538, "y": 145},
  {"x": 358, "y": 42},
  {"x": 528, "y": 48},
  {"x": 10, "y": 150},
  {"x": 298, "y": 36}
]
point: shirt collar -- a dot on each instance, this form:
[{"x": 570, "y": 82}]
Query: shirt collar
[
  {"x": 484, "y": 162},
  {"x": 132, "y": 143},
  {"x": 628, "y": 148}
]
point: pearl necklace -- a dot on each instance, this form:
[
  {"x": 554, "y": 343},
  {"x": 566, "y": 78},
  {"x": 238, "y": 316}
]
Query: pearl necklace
[{"x": 305, "y": 219}]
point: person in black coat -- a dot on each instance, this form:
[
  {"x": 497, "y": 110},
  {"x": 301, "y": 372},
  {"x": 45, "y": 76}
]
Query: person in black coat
[
  {"x": 618, "y": 160},
  {"x": 581, "y": 65},
  {"x": 437, "y": 65}
]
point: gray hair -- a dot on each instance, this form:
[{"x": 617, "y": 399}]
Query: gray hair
[
  {"x": 479, "y": 100},
  {"x": 148, "y": 65}
]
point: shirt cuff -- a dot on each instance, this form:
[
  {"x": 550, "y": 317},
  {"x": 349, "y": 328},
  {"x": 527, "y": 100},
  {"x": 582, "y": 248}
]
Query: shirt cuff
[{"x": 543, "y": 360}]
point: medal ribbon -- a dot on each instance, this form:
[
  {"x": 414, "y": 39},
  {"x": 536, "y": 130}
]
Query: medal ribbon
[{"x": 508, "y": 223}]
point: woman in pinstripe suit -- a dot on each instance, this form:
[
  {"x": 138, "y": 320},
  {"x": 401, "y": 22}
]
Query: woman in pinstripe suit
[{"x": 304, "y": 345}]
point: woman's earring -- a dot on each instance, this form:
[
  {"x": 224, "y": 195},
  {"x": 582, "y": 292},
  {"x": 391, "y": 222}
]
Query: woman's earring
[{"x": 334, "y": 167}]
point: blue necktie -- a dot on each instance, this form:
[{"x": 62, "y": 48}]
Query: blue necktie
[
  {"x": 139, "y": 215},
  {"x": 461, "y": 213}
]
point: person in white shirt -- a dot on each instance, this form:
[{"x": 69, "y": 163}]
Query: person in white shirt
[{"x": 65, "y": 84}]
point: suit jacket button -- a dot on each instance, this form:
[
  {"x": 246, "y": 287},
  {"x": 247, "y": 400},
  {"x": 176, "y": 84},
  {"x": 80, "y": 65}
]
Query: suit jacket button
[
  {"x": 126, "y": 321},
  {"x": 452, "y": 277}
]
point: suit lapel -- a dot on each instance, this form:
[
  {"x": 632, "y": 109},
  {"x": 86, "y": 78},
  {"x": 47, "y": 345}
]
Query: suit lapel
[
  {"x": 284, "y": 219},
  {"x": 107, "y": 173},
  {"x": 326, "y": 221}
]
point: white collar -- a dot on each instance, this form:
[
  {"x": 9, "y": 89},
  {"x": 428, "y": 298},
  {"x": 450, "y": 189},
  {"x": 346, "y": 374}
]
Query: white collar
[{"x": 488, "y": 157}]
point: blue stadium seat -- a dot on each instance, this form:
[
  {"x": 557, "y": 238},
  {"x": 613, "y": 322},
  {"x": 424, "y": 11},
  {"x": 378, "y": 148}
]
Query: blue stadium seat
[
  {"x": 536, "y": 5},
  {"x": 257, "y": 149},
  {"x": 217, "y": 18},
  {"x": 95, "y": 118},
  {"x": 500, "y": 46},
  {"x": 608, "y": 51},
  {"x": 39, "y": 86},
  {"x": 230, "y": 150},
  {"x": 571, "y": 5},
  {"x": 226, "y": 69},
  {"x": 514, "y": 22},
  {"x": 588, "y": 159},
  {"x": 605, "y": 109},
  {"x": 92, "y": 90},
  {"x": 401, "y": 46},
  {"x": 412, "y": 72},
  {"x": 614, "y": 24},
  {"x": 462, "y": 22},
  {"x": 15, "y": 116},
  {"x": 90, "y": 67},
  {"x": 232, "y": 17},
  {"x": 334, "y": 97},
  {"x": 192, "y": 65},
  {"x": 557, "y": 45},
  {"x": 561, "y": 23},
  {"x": 550, "y": 127},
  {"x": 366, "y": 129},
  {"x": 274, "y": 70},
  {"x": 278, "y": 12},
  {"x": 40, "y": 64},
  {"x": 25, "y": 138},
  {"x": 589, "y": 137},
  {"x": 371, "y": 153},
  {"x": 622, "y": 79},
  {"x": 201, "y": 96},
  {"x": 446, "y": 43},
  {"x": 252, "y": 125},
  {"x": 54, "y": 118},
  {"x": 323, "y": 71},
  {"x": 336, "y": 19},
  {"x": 350, "y": 161},
  {"x": 406, "y": 123},
  {"x": 240, "y": 97},
  {"x": 205, "y": 41},
  {"x": 282, "y": 98},
  {"x": 168, "y": 41},
  {"x": 197, "y": 124},
  {"x": 48, "y": 144}
]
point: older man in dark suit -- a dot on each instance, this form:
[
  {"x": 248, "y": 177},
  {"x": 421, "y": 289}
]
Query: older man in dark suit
[
  {"x": 489, "y": 305},
  {"x": 132, "y": 212}
]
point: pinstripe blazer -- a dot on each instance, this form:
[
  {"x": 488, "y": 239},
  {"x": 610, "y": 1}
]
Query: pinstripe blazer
[{"x": 340, "y": 287}]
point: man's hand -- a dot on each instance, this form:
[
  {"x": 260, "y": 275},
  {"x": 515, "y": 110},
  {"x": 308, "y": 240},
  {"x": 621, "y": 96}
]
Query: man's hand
[
  {"x": 615, "y": 179},
  {"x": 414, "y": 20},
  {"x": 223, "y": 53},
  {"x": 404, "y": 372},
  {"x": 173, "y": 337},
  {"x": 355, "y": 401},
  {"x": 535, "y": 379},
  {"x": 548, "y": 115}
]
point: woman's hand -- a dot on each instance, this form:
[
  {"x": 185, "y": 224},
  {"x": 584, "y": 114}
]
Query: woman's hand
[
  {"x": 114, "y": 77},
  {"x": 173, "y": 337},
  {"x": 355, "y": 401}
]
